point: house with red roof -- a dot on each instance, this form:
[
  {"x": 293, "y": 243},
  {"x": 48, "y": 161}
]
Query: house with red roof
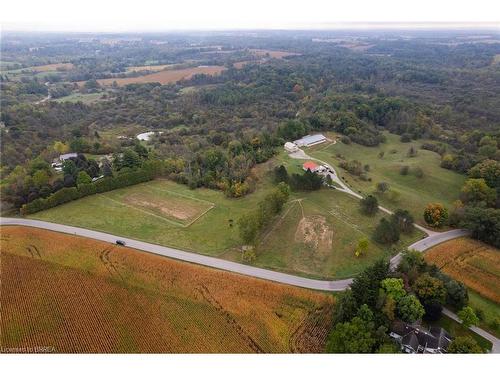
[{"x": 312, "y": 166}]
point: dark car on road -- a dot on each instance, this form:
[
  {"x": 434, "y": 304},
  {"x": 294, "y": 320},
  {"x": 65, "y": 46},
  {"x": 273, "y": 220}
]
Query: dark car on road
[{"x": 120, "y": 242}]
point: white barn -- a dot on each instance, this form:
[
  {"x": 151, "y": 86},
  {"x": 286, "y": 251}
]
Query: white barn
[{"x": 310, "y": 140}]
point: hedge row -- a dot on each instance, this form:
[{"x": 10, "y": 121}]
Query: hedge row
[{"x": 100, "y": 186}]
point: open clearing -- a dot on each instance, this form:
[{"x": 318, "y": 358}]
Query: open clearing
[
  {"x": 212, "y": 234},
  {"x": 174, "y": 207},
  {"x": 163, "y": 76},
  {"x": 154, "y": 68},
  {"x": 272, "y": 53},
  {"x": 85, "y": 296},
  {"x": 315, "y": 236},
  {"x": 84, "y": 98},
  {"x": 413, "y": 193},
  {"x": 52, "y": 67}
]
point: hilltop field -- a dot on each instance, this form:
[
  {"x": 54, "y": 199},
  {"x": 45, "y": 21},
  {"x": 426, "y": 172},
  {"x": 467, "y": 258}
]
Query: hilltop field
[
  {"x": 385, "y": 162},
  {"x": 73, "y": 295},
  {"x": 315, "y": 236}
]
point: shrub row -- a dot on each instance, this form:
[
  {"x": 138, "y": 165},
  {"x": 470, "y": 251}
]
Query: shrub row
[{"x": 100, "y": 186}]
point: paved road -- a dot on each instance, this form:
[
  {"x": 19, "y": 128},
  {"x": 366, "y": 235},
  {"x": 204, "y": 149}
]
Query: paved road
[
  {"x": 337, "y": 285},
  {"x": 428, "y": 242},
  {"x": 300, "y": 154},
  {"x": 481, "y": 332},
  {"x": 324, "y": 285},
  {"x": 432, "y": 239}
]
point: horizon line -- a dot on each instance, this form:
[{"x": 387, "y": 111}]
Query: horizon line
[{"x": 323, "y": 26}]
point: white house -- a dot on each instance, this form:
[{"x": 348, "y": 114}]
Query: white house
[
  {"x": 64, "y": 157},
  {"x": 291, "y": 147}
]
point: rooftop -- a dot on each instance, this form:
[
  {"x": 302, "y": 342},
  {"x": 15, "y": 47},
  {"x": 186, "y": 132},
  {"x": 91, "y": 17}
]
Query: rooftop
[
  {"x": 310, "y": 139},
  {"x": 310, "y": 165}
]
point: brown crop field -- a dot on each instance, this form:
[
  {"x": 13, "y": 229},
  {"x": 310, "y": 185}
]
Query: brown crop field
[
  {"x": 476, "y": 264},
  {"x": 64, "y": 294},
  {"x": 163, "y": 76},
  {"x": 272, "y": 53},
  {"x": 52, "y": 67},
  {"x": 148, "y": 67}
]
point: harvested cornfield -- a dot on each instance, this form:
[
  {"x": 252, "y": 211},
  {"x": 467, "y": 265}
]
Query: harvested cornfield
[
  {"x": 474, "y": 263},
  {"x": 272, "y": 53},
  {"x": 163, "y": 76},
  {"x": 64, "y": 293}
]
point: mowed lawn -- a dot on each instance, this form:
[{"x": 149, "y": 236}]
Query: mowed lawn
[
  {"x": 79, "y": 295},
  {"x": 436, "y": 185},
  {"x": 316, "y": 234},
  {"x": 159, "y": 212}
]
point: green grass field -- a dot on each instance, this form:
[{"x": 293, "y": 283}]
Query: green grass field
[
  {"x": 315, "y": 235},
  {"x": 490, "y": 310},
  {"x": 437, "y": 184},
  {"x": 456, "y": 329},
  {"x": 110, "y": 212}
]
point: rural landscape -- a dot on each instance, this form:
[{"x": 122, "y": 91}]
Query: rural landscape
[{"x": 286, "y": 191}]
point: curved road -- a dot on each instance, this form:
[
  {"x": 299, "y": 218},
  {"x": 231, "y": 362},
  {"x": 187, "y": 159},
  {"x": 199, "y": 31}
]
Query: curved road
[
  {"x": 433, "y": 239},
  {"x": 325, "y": 285}
]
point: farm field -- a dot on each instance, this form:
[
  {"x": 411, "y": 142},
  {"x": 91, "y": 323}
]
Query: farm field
[
  {"x": 272, "y": 53},
  {"x": 163, "y": 76},
  {"x": 148, "y": 67},
  {"x": 476, "y": 264},
  {"x": 436, "y": 185},
  {"x": 78, "y": 295},
  {"x": 315, "y": 236},
  {"x": 52, "y": 67}
]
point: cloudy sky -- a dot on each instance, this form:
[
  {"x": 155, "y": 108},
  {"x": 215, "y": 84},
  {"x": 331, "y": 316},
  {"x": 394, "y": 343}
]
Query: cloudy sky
[{"x": 155, "y": 15}]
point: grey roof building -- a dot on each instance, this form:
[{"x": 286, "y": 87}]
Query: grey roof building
[
  {"x": 310, "y": 140},
  {"x": 416, "y": 339}
]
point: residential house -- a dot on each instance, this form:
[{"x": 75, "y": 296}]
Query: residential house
[{"x": 416, "y": 339}]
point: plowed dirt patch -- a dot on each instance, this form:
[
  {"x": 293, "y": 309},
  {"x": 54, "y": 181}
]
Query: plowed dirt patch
[
  {"x": 315, "y": 232},
  {"x": 173, "y": 209}
]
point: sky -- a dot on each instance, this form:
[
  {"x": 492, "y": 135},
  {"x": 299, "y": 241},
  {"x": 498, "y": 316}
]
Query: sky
[{"x": 158, "y": 15}]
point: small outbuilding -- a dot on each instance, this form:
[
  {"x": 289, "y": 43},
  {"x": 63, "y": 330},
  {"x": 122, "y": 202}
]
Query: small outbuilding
[{"x": 291, "y": 147}]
